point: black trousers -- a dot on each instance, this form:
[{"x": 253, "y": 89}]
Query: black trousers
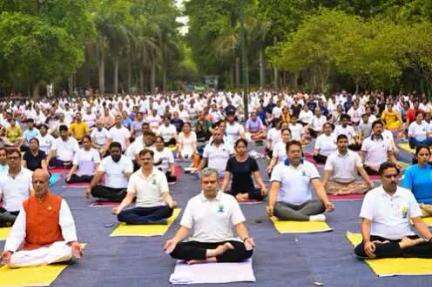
[
  {"x": 253, "y": 194},
  {"x": 54, "y": 162},
  {"x": 370, "y": 171},
  {"x": 392, "y": 249},
  {"x": 80, "y": 178},
  {"x": 144, "y": 215},
  {"x": 194, "y": 250},
  {"x": 109, "y": 193},
  {"x": 7, "y": 218},
  {"x": 320, "y": 158},
  {"x": 170, "y": 178},
  {"x": 355, "y": 147}
]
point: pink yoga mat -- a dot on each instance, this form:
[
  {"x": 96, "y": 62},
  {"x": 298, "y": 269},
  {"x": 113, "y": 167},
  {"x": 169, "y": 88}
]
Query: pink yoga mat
[
  {"x": 250, "y": 202},
  {"x": 76, "y": 185},
  {"x": 346, "y": 197}
]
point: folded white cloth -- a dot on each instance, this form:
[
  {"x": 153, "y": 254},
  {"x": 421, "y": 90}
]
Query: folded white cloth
[{"x": 212, "y": 273}]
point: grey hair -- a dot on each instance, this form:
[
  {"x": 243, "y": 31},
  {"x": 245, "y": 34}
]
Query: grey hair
[{"x": 208, "y": 171}]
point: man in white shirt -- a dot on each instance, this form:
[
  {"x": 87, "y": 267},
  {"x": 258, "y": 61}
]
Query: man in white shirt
[
  {"x": 387, "y": 212},
  {"x": 149, "y": 186},
  {"x": 168, "y": 131},
  {"x": 325, "y": 144},
  {"x": 376, "y": 150},
  {"x": 341, "y": 168},
  {"x": 318, "y": 120},
  {"x": 419, "y": 132},
  {"x": 100, "y": 137},
  {"x": 117, "y": 169},
  {"x": 4, "y": 167},
  {"x": 118, "y": 133},
  {"x": 15, "y": 187},
  {"x": 292, "y": 182},
  {"x": 212, "y": 215},
  {"x": 44, "y": 231},
  {"x": 216, "y": 153},
  {"x": 64, "y": 149},
  {"x": 344, "y": 128}
]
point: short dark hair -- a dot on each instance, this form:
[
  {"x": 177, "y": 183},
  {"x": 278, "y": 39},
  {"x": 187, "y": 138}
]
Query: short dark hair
[
  {"x": 11, "y": 151},
  {"x": 115, "y": 145},
  {"x": 63, "y": 128},
  {"x": 146, "y": 151},
  {"x": 341, "y": 137},
  {"x": 420, "y": 147},
  {"x": 285, "y": 129},
  {"x": 241, "y": 140},
  {"x": 86, "y": 137},
  {"x": 34, "y": 139},
  {"x": 377, "y": 122},
  {"x": 386, "y": 165},
  {"x": 30, "y": 120},
  {"x": 345, "y": 117},
  {"x": 293, "y": 142}
]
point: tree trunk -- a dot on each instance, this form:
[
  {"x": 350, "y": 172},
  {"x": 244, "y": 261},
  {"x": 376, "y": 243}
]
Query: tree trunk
[
  {"x": 231, "y": 76},
  {"x": 261, "y": 68},
  {"x": 164, "y": 79},
  {"x": 36, "y": 90},
  {"x": 275, "y": 71},
  {"x": 71, "y": 84},
  {"x": 101, "y": 73},
  {"x": 237, "y": 72},
  {"x": 153, "y": 75},
  {"x": 116, "y": 69},
  {"x": 141, "y": 81},
  {"x": 129, "y": 75}
]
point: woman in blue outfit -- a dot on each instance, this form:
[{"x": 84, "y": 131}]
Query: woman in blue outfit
[{"x": 418, "y": 178}]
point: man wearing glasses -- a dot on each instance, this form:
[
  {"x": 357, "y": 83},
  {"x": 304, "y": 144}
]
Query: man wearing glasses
[
  {"x": 149, "y": 185},
  {"x": 386, "y": 215},
  {"x": 15, "y": 187}
]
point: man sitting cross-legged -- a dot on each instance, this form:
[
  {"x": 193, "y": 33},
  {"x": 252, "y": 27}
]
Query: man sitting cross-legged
[
  {"x": 44, "y": 231},
  {"x": 290, "y": 196},
  {"x": 212, "y": 214},
  {"x": 116, "y": 168},
  {"x": 341, "y": 168},
  {"x": 386, "y": 214},
  {"x": 149, "y": 185}
]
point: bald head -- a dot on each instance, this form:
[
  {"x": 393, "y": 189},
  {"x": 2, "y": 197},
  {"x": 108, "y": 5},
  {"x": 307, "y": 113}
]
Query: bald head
[{"x": 40, "y": 180}]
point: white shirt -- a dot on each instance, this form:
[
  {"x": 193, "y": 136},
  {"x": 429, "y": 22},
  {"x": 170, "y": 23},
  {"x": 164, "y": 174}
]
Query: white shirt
[
  {"x": 233, "y": 132},
  {"x": 114, "y": 171},
  {"x": 18, "y": 232},
  {"x": 296, "y": 187},
  {"x": 134, "y": 149},
  {"x": 348, "y": 131},
  {"x": 65, "y": 150},
  {"x": 325, "y": 144},
  {"x": 212, "y": 220},
  {"x": 306, "y": 117},
  {"x": 273, "y": 136},
  {"x": 343, "y": 167},
  {"x": 167, "y": 132},
  {"x": 188, "y": 144},
  {"x": 418, "y": 131},
  {"x": 86, "y": 160},
  {"x": 390, "y": 214},
  {"x": 296, "y": 131},
  {"x": 100, "y": 137},
  {"x": 376, "y": 151},
  {"x": 318, "y": 122},
  {"x": 162, "y": 159},
  {"x": 46, "y": 143},
  {"x": 279, "y": 151},
  {"x": 217, "y": 156},
  {"x": 148, "y": 190},
  {"x": 120, "y": 135},
  {"x": 14, "y": 191}
]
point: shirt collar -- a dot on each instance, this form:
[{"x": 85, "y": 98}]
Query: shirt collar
[
  {"x": 376, "y": 137},
  {"x": 385, "y": 194},
  {"x": 150, "y": 175},
  {"x": 204, "y": 199},
  {"x": 287, "y": 163}
]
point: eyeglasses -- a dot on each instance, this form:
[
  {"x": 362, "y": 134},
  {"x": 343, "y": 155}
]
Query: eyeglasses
[{"x": 14, "y": 157}]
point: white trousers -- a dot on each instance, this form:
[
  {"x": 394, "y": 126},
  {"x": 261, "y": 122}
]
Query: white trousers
[{"x": 57, "y": 252}]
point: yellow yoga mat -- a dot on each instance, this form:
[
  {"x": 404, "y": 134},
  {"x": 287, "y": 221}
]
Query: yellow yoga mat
[
  {"x": 406, "y": 147},
  {"x": 394, "y": 266},
  {"x": 144, "y": 230},
  {"x": 30, "y": 276},
  {"x": 4, "y": 232},
  {"x": 427, "y": 220},
  {"x": 285, "y": 226}
]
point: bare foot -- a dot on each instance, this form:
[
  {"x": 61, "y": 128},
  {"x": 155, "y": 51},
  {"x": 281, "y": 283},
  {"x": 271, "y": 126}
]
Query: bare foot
[
  {"x": 208, "y": 260},
  {"x": 221, "y": 249},
  {"x": 242, "y": 197},
  {"x": 407, "y": 242}
]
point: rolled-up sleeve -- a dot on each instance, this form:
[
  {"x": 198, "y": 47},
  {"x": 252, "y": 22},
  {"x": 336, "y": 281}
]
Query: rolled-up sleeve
[{"x": 67, "y": 223}]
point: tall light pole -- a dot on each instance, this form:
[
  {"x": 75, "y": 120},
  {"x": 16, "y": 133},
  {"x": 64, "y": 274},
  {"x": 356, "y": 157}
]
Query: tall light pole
[{"x": 245, "y": 75}]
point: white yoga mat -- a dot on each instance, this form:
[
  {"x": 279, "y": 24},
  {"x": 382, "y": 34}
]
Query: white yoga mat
[{"x": 212, "y": 273}]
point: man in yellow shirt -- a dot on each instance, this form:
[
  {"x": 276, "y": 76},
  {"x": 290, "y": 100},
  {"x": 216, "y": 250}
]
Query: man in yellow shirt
[
  {"x": 78, "y": 128},
  {"x": 14, "y": 134}
]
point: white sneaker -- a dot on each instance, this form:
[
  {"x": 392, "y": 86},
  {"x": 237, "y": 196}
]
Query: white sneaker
[{"x": 317, "y": 217}]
